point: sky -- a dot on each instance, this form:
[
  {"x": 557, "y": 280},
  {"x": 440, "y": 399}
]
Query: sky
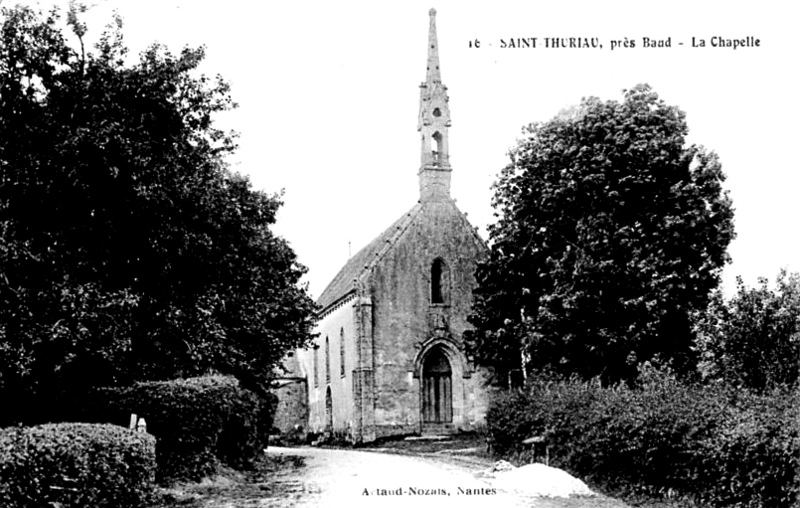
[{"x": 328, "y": 100}]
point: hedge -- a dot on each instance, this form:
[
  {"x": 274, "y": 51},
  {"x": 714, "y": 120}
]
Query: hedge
[
  {"x": 754, "y": 459},
  {"x": 713, "y": 445},
  {"x": 76, "y": 465},
  {"x": 199, "y": 422}
]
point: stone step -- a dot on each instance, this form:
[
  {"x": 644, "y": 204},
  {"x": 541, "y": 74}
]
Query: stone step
[
  {"x": 428, "y": 437},
  {"x": 438, "y": 428}
]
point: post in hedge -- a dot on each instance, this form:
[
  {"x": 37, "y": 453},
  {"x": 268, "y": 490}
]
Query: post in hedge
[{"x": 542, "y": 440}]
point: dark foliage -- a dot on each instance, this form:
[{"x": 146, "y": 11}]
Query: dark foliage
[
  {"x": 76, "y": 465},
  {"x": 199, "y": 422},
  {"x": 752, "y": 340},
  {"x": 128, "y": 251},
  {"x": 712, "y": 445},
  {"x": 611, "y": 230}
]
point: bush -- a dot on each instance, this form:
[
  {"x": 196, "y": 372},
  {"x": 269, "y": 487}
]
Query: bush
[
  {"x": 710, "y": 444},
  {"x": 199, "y": 422},
  {"x": 754, "y": 459},
  {"x": 76, "y": 465}
]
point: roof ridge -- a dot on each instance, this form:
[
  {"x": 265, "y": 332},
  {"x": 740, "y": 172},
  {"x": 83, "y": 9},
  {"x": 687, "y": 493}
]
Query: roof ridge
[
  {"x": 363, "y": 260},
  {"x": 392, "y": 240},
  {"x": 469, "y": 225}
]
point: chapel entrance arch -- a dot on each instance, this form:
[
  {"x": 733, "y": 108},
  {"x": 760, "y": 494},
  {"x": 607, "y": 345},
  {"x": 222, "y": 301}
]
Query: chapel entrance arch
[{"x": 437, "y": 387}]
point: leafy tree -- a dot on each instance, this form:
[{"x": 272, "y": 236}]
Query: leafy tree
[
  {"x": 128, "y": 250},
  {"x": 610, "y": 231},
  {"x": 752, "y": 340}
]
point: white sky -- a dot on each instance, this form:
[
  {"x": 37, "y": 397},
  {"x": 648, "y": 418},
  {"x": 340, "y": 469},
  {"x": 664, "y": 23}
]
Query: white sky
[{"x": 328, "y": 96}]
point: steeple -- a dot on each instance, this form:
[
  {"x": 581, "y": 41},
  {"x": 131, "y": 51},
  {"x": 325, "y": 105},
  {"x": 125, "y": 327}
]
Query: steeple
[
  {"x": 434, "y": 119},
  {"x": 433, "y": 75}
]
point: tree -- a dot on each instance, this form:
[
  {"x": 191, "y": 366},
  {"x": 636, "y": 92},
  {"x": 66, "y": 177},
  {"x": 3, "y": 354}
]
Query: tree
[
  {"x": 610, "y": 231},
  {"x": 128, "y": 250},
  {"x": 752, "y": 340}
]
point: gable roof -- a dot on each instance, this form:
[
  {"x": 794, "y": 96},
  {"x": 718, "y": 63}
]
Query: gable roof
[{"x": 363, "y": 260}]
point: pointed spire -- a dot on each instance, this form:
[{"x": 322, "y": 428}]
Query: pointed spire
[
  {"x": 434, "y": 120},
  {"x": 434, "y": 75}
]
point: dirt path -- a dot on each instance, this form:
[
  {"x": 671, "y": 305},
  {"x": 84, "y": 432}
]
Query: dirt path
[
  {"x": 335, "y": 477},
  {"x": 352, "y": 478}
]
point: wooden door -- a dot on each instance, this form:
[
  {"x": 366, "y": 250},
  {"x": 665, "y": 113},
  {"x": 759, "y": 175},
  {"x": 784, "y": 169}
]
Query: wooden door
[{"x": 437, "y": 390}]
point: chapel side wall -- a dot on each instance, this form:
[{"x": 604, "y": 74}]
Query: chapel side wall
[
  {"x": 332, "y": 323},
  {"x": 404, "y": 317}
]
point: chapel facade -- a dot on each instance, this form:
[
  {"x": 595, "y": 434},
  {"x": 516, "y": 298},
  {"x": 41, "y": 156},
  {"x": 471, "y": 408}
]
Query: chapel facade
[{"x": 389, "y": 358}]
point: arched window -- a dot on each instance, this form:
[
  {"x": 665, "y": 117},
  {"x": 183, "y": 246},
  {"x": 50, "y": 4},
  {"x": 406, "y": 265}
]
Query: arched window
[
  {"x": 341, "y": 352},
  {"x": 316, "y": 366},
  {"x": 439, "y": 281},
  {"x": 437, "y": 147},
  {"x": 327, "y": 360}
]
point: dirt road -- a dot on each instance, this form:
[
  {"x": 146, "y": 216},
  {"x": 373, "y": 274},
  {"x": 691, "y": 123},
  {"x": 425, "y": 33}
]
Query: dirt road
[
  {"x": 352, "y": 478},
  {"x": 334, "y": 477}
]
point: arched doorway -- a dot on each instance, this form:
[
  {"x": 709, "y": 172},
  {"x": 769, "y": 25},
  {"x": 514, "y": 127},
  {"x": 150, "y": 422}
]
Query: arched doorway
[
  {"x": 328, "y": 410},
  {"x": 437, "y": 388}
]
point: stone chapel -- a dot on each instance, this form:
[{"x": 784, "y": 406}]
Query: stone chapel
[{"x": 389, "y": 358}]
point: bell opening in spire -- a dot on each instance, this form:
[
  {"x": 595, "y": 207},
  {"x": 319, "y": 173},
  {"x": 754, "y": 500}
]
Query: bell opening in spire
[{"x": 434, "y": 119}]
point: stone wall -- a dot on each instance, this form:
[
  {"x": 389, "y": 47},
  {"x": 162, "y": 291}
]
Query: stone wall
[
  {"x": 406, "y": 322},
  {"x": 335, "y": 324},
  {"x": 291, "y": 412},
  {"x": 389, "y": 322}
]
